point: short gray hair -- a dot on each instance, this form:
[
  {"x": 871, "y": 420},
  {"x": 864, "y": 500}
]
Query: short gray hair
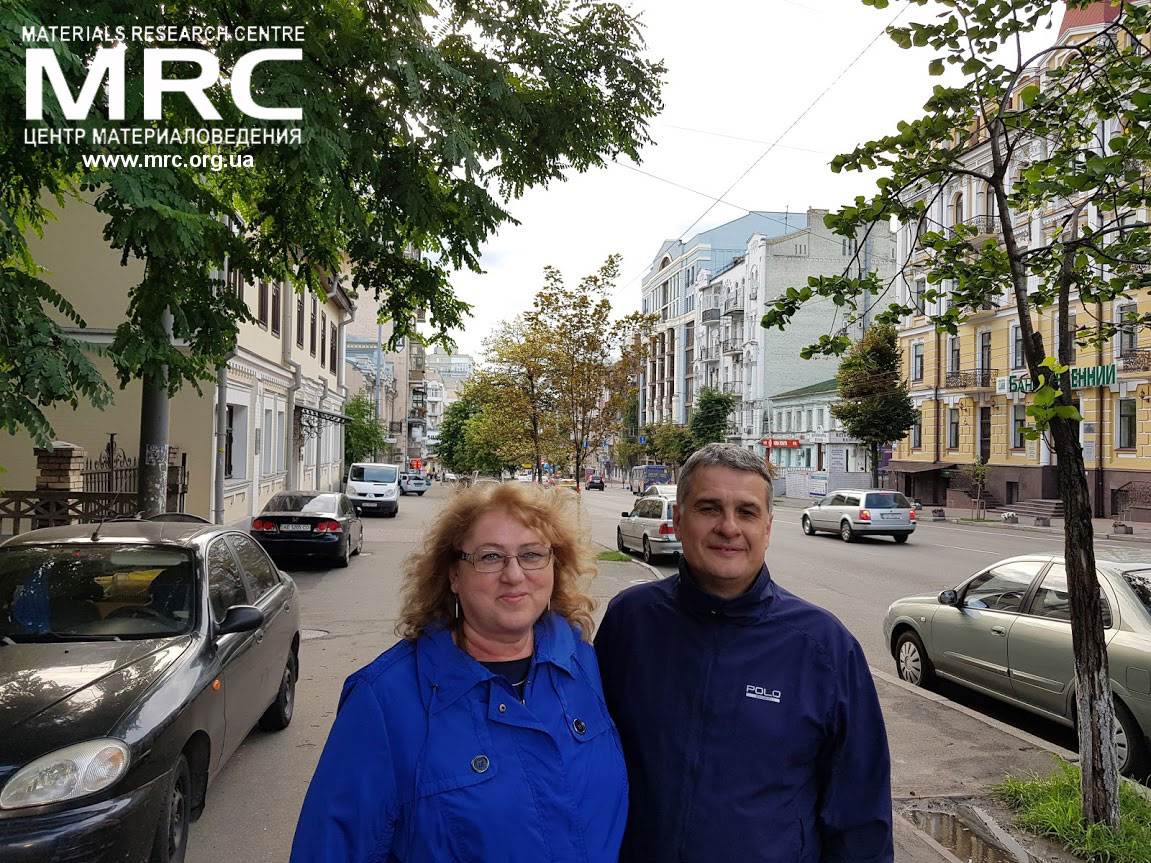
[{"x": 724, "y": 455}]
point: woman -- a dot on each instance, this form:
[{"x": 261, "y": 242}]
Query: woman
[{"x": 483, "y": 734}]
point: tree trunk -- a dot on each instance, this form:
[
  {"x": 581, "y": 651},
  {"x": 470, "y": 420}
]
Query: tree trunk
[
  {"x": 1095, "y": 709},
  {"x": 874, "y": 464}
]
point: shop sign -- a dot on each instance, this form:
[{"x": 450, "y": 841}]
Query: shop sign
[
  {"x": 781, "y": 442},
  {"x": 1081, "y": 378}
]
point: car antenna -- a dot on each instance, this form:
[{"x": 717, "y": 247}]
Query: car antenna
[{"x": 108, "y": 515}]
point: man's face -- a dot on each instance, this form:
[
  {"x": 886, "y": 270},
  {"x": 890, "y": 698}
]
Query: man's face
[{"x": 724, "y": 525}]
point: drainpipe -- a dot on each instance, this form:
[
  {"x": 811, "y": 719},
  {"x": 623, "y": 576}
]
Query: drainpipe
[
  {"x": 937, "y": 412},
  {"x": 290, "y": 459}
]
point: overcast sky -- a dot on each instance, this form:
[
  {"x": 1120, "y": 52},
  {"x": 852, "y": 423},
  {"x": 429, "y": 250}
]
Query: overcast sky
[{"x": 741, "y": 74}]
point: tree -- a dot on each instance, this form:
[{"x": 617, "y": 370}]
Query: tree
[
  {"x": 363, "y": 436},
  {"x": 451, "y": 449},
  {"x": 710, "y": 417},
  {"x": 669, "y": 443},
  {"x": 1063, "y": 134},
  {"x": 592, "y": 361},
  {"x": 420, "y": 123},
  {"x": 874, "y": 405}
]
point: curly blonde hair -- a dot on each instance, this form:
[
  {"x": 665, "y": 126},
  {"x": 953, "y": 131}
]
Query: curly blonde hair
[{"x": 428, "y": 599}]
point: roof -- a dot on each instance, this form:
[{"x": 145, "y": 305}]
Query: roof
[
  {"x": 1094, "y": 15},
  {"x": 130, "y": 530},
  {"x": 733, "y": 234},
  {"x": 813, "y": 390}
]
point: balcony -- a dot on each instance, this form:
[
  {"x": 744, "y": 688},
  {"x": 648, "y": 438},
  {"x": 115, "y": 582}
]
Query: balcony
[
  {"x": 712, "y": 312},
  {"x": 1023, "y": 235},
  {"x": 708, "y": 353},
  {"x": 733, "y": 346},
  {"x": 986, "y": 228},
  {"x": 1135, "y": 360},
  {"x": 733, "y": 304},
  {"x": 733, "y": 387},
  {"x": 976, "y": 379}
]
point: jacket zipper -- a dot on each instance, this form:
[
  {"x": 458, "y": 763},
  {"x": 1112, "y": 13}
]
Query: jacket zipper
[{"x": 697, "y": 755}]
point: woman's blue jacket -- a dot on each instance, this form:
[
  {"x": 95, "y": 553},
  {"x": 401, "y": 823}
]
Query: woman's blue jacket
[{"x": 433, "y": 758}]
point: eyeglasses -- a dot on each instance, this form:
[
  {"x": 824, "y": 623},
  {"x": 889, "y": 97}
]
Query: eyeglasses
[{"x": 536, "y": 557}]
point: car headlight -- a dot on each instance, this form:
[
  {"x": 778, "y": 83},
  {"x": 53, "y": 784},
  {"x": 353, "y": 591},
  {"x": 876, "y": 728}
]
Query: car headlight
[{"x": 66, "y": 774}]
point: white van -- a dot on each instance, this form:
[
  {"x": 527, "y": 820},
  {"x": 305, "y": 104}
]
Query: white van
[{"x": 374, "y": 488}]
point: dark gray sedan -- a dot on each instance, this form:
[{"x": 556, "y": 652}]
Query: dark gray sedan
[
  {"x": 1006, "y": 632},
  {"x": 135, "y": 657}
]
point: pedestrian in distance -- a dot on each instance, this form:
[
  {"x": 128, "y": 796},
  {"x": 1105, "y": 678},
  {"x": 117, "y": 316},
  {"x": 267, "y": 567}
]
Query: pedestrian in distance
[
  {"x": 749, "y": 719},
  {"x": 483, "y": 734}
]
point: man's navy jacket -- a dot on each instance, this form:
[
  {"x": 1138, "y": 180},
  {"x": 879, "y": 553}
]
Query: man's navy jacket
[{"x": 750, "y": 726}]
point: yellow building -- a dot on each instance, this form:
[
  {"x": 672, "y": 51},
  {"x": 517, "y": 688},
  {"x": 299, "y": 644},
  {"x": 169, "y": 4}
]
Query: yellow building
[{"x": 282, "y": 395}]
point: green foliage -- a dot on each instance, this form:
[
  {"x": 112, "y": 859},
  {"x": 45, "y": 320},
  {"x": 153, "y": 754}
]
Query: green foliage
[
  {"x": 363, "y": 436},
  {"x": 420, "y": 124},
  {"x": 616, "y": 556},
  {"x": 709, "y": 418},
  {"x": 669, "y": 444},
  {"x": 976, "y": 474},
  {"x": 452, "y": 446},
  {"x": 1050, "y": 807},
  {"x": 874, "y": 404}
]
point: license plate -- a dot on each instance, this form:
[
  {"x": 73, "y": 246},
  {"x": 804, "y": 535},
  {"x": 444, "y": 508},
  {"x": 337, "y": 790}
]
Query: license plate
[
  {"x": 367, "y": 504},
  {"x": 892, "y": 516},
  {"x": 300, "y": 527}
]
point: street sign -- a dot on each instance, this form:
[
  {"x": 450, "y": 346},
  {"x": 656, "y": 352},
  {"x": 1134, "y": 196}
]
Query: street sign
[{"x": 642, "y": 439}]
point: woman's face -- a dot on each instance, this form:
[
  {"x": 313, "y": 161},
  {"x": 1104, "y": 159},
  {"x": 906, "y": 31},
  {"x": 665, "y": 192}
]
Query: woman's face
[{"x": 502, "y": 605}]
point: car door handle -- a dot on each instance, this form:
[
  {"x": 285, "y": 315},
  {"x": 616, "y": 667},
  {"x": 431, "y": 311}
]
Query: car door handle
[
  {"x": 999, "y": 630},
  {"x": 259, "y": 636}
]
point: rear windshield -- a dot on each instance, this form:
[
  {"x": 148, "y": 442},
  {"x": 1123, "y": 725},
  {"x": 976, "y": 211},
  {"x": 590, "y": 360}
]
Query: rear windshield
[
  {"x": 373, "y": 473},
  {"x": 296, "y": 502},
  {"x": 104, "y": 591},
  {"x": 888, "y": 500},
  {"x": 1140, "y": 581}
]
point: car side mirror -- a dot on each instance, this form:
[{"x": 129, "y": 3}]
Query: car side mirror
[
  {"x": 240, "y": 618},
  {"x": 626, "y": 514},
  {"x": 949, "y": 597}
]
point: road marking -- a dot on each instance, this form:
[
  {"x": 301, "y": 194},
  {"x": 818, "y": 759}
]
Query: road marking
[{"x": 964, "y": 548}]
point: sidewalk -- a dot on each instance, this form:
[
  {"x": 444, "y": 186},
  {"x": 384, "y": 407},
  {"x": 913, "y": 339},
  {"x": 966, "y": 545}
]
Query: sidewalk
[{"x": 1103, "y": 527}]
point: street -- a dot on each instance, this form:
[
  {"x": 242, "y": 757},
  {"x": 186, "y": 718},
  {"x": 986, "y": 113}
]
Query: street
[{"x": 348, "y": 618}]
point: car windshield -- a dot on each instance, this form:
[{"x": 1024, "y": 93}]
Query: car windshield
[
  {"x": 1140, "y": 581},
  {"x": 887, "y": 500},
  {"x": 373, "y": 473},
  {"x": 68, "y": 592},
  {"x": 301, "y": 502}
]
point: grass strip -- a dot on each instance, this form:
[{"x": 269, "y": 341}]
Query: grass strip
[{"x": 613, "y": 555}]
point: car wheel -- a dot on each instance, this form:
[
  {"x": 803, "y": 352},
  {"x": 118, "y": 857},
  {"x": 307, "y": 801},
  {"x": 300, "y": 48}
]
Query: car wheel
[
  {"x": 345, "y": 555},
  {"x": 912, "y": 661},
  {"x": 648, "y": 557},
  {"x": 845, "y": 532},
  {"x": 279, "y": 715},
  {"x": 1130, "y": 744},
  {"x": 619, "y": 540},
  {"x": 171, "y": 841},
  {"x": 419, "y": 494},
  {"x": 901, "y": 537},
  {"x": 392, "y": 514},
  {"x": 807, "y": 528}
]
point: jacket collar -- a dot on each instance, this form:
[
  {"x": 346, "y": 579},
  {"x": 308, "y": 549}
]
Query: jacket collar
[
  {"x": 752, "y": 606},
  {"x": 446, "y": 672}
]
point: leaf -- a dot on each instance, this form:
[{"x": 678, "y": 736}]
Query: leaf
[{"x": 935, "y": 67}]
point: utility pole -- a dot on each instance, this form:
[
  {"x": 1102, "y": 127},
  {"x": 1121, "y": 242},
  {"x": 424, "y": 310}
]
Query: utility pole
[{"x": 152, "y": 485}]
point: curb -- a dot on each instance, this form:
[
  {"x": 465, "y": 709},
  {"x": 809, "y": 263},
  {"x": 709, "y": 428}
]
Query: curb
[{"x": 656, "y": 575}]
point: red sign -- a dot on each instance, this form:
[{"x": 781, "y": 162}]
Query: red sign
[
  {"x": 417, "y": 463},
  {"x": 781, "y": 442}
]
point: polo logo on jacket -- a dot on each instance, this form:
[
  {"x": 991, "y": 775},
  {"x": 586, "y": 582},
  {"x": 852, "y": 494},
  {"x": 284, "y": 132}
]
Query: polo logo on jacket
[{"x": 762, "y": 694}]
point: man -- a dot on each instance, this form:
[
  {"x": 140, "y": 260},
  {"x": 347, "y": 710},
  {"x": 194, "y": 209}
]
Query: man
[{"x": 748, "y": 717}]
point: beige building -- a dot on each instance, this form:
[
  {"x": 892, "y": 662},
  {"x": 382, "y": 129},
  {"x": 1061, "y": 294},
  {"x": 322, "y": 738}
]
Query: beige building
[{"x": 282, "y": 392}]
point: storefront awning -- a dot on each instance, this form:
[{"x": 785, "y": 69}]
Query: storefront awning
[{"x": 918, "y": 466}]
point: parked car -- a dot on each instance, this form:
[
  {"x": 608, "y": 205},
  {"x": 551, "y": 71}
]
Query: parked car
[
  {"x": 660, "y": 490},
  {"x": 1006, "y": 632},
  {"x": 137, "y": 656},
  {"x": 310, "y": 524},
  {"x": 861, "y": 512},
  {"x": 649, "y": 528},
  {"x": 595, "y": 481},
  {"x": 413, "y": 483},
  {"x": 567, "y": 482},
  {"x": 374, "y": 488}
]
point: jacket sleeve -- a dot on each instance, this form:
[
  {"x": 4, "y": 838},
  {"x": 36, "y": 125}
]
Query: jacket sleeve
[
  {"x": 350, "y": 809},
  {"x": 855, "y": 802},
  {"x": 605, "y": 647}
]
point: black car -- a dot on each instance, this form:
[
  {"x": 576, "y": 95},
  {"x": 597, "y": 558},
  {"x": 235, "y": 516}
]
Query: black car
[
  {"x": 594, "y": 481},
  {"x": 135, "y": 657},
  {"x": 321, "y": 524}
]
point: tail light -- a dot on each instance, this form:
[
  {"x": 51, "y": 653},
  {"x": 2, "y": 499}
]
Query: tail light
[
  {"x": 911, "y": 514},
  {"x": 666, "y": 529},
  {"x": 263, "y": 524},
  {"x": 865, "y": 515},
  {"x": 328, "y": 527}
]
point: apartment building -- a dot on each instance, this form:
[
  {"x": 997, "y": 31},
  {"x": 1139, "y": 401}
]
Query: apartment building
[{"x": 972, "y": 388}]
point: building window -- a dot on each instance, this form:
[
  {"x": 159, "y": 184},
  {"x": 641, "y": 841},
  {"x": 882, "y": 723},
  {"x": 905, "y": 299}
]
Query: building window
[
  {"x": 920, "y": 290},
  {"x": 279, "y": 440},
  {"x": 1071, "y": 328},
  {"x": 323, "y": 339},
  {"x": 1018, "y": 424},
  {"x": 262, "y": 304},
  {"x": 1128, "y": 329},
  {"x": 953, "y": 428},
  {"x": 985, "y": 350},
  {"x": 1126, "y": 423},
  {"x": 275, "y": 309},
  {"x": 312, "y": 334},
  {"x": 267, "y": 442},
  {"x": 917, "y": 361},
  {"x": 228, "y": 427},
  {"x": 1016, "y": 347},
  {"x": 236, "y": 284},
  {"x": 300, "y": 319},
  {"x": 917, "y": 431},
  {"x": 953, "y": 355},
  {"x": 332, "y": 348}
]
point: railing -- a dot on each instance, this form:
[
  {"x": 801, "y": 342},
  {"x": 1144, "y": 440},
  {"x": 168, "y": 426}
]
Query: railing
[
  {"x": 984, "y": 226},
  {"x": 708, "y": 353},
  {"x": 44, "y": 508},
  {"x": 1135, "y": 359},
  {"x": 733, "y": 345},
  {"x": 733, "y": 387},
  {"x": 711, "y": 316},
  {"x": 1023, "y": 234},
  {"x": 971, "y": 380},
  {"x": 733, "y": 303}
]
